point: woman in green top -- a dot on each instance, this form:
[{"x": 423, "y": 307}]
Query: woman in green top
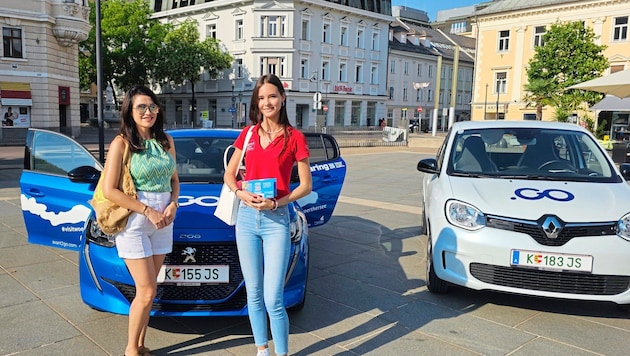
[{"x": 148, "y": 236}]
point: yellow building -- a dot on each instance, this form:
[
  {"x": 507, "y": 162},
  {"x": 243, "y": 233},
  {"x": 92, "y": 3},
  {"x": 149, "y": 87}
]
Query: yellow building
[{"x": 507, "y": 34}]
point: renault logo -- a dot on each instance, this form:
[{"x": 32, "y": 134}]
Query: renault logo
[{"x": 552, "y": 227}]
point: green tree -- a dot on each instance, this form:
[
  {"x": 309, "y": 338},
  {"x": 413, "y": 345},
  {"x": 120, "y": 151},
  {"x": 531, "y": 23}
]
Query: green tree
[
  {"x": 540, "y": 93},
  {"x": 131, "y": 41},
  {"x": 184, "y": 58},
  {"x": 569, "y": 56}
]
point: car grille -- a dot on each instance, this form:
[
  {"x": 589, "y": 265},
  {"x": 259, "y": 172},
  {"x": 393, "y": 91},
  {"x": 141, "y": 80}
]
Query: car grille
[
  {"x": 172, "y": 297},
  {"x": 558, "y": 282},
  {"x": 534, "y": 229}
]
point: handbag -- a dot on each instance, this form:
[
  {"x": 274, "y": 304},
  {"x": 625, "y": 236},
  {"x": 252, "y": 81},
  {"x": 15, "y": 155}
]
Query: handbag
[
  {"x": 227, "y": 206},
  {"x": 110, "y": 217}
]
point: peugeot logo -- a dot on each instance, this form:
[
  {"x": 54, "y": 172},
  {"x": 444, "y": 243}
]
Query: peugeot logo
[
  {"x": 189, "y": 252},
  {"x": 552, "y": 227}
]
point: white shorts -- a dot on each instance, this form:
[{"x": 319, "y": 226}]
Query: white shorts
[{"x": 140, "y": 238}]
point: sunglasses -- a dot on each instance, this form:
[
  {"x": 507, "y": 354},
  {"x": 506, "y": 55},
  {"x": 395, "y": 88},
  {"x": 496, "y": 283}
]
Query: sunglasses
[{"x": 142, "y": 108}]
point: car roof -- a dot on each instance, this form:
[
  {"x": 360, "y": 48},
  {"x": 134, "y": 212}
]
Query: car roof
[
  {"x": 199, "y": 132},
  {"x": 470, "y": 125}
]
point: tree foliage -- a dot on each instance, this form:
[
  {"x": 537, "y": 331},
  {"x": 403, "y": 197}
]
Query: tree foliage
[
  {"x": 131, "y": 42},
  {"x": 569, "y": 56}
]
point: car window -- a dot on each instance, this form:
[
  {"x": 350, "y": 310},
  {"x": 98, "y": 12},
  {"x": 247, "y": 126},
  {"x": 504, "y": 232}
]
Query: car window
[
  {"x": 200, "y": 159},
  {"x": 55, "y": 153},
  {"x": 533, "y": 153}
]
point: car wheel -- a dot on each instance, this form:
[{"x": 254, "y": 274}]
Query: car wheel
[
  {"x": 299, "y": 306},
  {"x": 434, "y": 283}
]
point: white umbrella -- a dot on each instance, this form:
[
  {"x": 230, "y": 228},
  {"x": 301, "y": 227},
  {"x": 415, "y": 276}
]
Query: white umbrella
[
  {"x": 617, "y": 84},
  {"x": 612, "y": 103}
]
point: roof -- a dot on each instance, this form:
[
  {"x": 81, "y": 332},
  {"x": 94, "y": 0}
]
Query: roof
[{"x": 511, "y": 5}]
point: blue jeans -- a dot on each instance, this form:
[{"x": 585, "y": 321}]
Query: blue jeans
[{"x": 264, "y": 236}]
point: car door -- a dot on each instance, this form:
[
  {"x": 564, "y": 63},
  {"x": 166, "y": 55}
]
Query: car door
[
  {"x": 328, "y": 170},
  {"x": 56, "y": 184}
]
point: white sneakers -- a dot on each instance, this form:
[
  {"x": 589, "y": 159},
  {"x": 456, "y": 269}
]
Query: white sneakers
[{"x": 264, "y": 352}]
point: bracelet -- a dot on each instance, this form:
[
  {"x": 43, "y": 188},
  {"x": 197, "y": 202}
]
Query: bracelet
[
  {"x": 275, "y": 204},
  {"x": 144, "y": 211},
  {"x": 176, "y": 203},
  {"x": 237, "y": 190}
]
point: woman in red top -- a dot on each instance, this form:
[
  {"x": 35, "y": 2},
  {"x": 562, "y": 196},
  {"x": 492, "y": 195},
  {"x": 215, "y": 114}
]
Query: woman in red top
[{"x": 262, "y": 227}]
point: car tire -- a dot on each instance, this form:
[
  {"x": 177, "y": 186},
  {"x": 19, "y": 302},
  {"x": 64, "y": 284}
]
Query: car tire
[
  {"x": 434, "y": 283},
  {"x": 299, "y": 306}
]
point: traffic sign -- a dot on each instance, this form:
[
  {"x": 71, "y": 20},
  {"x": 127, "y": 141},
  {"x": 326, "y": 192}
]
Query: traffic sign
[
  {"x": 419, "y": 108},
  {"x": 317, "y": 96},
  {"x": 232, "y": 109}
]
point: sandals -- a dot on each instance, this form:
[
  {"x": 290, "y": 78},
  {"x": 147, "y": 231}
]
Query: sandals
[{"x": 145, "y": 351}]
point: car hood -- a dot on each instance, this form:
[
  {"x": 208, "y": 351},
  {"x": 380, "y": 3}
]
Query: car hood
[
  {"x": 531, "y": 199},
  {"x": 197, "y": 203}
]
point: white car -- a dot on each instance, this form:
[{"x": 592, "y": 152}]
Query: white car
[{"x": 527, "y": 207}]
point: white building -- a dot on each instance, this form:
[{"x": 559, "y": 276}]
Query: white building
[
  {"x": 336, "y": 48},
  {"x": 39, "y": 72}
]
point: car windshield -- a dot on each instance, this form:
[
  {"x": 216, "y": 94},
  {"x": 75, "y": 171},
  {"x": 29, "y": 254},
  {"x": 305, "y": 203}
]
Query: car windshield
[
  {"x": 529, "y": 153},
  {"x": 200, "y": 159}
]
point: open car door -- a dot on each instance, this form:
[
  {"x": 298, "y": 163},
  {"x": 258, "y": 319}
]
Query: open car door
[
  {"x": 56, "y": 184},
  {"x": 328, "y": 170}
]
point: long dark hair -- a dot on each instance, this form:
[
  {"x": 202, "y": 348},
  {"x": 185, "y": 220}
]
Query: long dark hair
[
  {"x": 128, "y": 128},
  {"x": 254, "y": 114}
]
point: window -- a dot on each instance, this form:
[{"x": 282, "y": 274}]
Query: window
[
  {"x": 12, "y": 42},
  {"x": 392, "y": 66},
  {"x": 620, "y": 32},
  {"x": 211, "y": 31},
  {"x": 239, "y": 68},
  {"x": 343, "y": 40},
  {"x": 304, "y": 72},
  {"x": 343, "y": 72},
  {"x": 406, "y": 67},
  {"x": 459, "y": 27},
  {"x": 360, "y": 38},
  {"x": 375, "y": 40},
  {"x": 272, "y": 26},
  {"x": 500, "y": 82},
  {"x": 272, "y": 65},
  {"x": 306, "y": 29},
  {"x": 430, "y": 70},
  {"x": 504, "y": 41},
  {"x": 358, "y": 73},
  {"x": 391, "y": 93},
  {"x": 419, "y": 70},
  {"x": 539, "y": 32},
  {"x": 374, "y": 74},
  {"x": 239, "y": 30},
  {"x": 326, "y": 69},
  {"x": 405, "y": 94},
  {"x": 418, "y": 95},
  {"x": 429, "y": 95},
  {"x": 326, "y": 33}
]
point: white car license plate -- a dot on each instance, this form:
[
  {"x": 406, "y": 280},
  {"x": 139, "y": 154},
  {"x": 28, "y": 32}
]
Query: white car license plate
[
  {"x": 553, "y": 261},
  {"x": 194, "y": 274}
]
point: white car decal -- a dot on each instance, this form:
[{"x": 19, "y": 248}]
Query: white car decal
[{"x": 78, "y": 213}]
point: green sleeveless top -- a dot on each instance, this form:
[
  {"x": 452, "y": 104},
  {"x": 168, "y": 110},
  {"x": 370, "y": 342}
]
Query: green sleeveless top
[{"x": 152, "y": 168}]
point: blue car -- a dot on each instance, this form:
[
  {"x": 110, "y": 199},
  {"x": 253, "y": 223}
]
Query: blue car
[{"x": 59, "y": 178}]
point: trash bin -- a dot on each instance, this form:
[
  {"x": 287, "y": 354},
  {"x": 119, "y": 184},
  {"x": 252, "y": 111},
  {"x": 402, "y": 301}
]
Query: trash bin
[{"x": 619, "y": 152}]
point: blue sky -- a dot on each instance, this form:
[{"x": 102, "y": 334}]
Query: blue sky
[{"x": 433, "y": 6}]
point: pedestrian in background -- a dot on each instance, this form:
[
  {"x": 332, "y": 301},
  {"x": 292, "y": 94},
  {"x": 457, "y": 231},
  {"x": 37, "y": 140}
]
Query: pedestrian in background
[
  {"x": 148, "y": 236},
  {"x": 262, "y": 228}
]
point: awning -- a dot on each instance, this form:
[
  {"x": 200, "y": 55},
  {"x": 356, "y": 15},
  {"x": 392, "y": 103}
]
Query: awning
[
  {"x": 612, "y": 103},
  {"x": 15, "y": 94}
]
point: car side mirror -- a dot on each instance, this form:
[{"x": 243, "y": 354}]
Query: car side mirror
[
  {"x": 428, "y": 165},
  {"x": 84, "y": 174}
]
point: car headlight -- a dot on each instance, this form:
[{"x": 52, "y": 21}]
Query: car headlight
[
  {"x": 296, "y": 227},
  {"x": 623, "y": 227},
  {"x": 95, "y": 235},
  {"x": 464, "y": 215}
]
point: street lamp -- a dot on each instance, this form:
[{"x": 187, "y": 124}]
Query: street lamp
[
  {"x": 485, "y": 104},
  {"x": 232, "y": 108},
  {"x": 240, "y": 107}
]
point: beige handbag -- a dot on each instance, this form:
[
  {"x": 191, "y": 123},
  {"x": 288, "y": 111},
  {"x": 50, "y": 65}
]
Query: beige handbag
[{"x": 112, "y": 218}]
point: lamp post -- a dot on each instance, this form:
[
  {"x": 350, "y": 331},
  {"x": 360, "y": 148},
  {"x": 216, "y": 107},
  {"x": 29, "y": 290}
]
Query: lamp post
[
  {"x": 418, "y": 86},
  {"x": 498, "y": 93},
  {"x": 240, "y": 107},
  {"x": 232, "y": 108}
]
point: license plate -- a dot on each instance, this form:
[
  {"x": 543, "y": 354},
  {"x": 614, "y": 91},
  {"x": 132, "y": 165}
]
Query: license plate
[
  {"x": 194, "y": 274},
  {"x": 552, "y": 261}
]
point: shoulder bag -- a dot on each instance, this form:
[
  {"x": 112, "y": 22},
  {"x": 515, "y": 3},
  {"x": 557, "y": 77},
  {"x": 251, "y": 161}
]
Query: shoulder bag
[
  {"x": 227, "y": 207},
  {"x": 112, "y": 218}
]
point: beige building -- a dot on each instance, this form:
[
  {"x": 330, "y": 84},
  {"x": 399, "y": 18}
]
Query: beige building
[
  {"x": 39, "y": 72},
  {"x": 507, "y": 34}
]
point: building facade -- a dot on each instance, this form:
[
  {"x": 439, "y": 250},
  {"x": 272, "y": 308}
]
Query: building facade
[
  {"x": 330, "y": 55},
  {"x": 430, "y": 73},
  {"x": 39, "y": 72},
  {"x": 507, "y": 34}
]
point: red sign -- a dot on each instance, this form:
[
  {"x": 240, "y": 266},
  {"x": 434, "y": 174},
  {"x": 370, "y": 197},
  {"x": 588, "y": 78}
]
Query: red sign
[
  {"x": 419, "y": 108},
  {"x": 325, "y": 108}
]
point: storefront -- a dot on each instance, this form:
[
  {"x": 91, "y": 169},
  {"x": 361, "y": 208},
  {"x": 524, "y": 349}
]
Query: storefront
[{"x": 16, "y": 102}]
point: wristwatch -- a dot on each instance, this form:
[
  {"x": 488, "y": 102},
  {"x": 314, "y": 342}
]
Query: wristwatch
[{"x": 176, "y": 203}]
